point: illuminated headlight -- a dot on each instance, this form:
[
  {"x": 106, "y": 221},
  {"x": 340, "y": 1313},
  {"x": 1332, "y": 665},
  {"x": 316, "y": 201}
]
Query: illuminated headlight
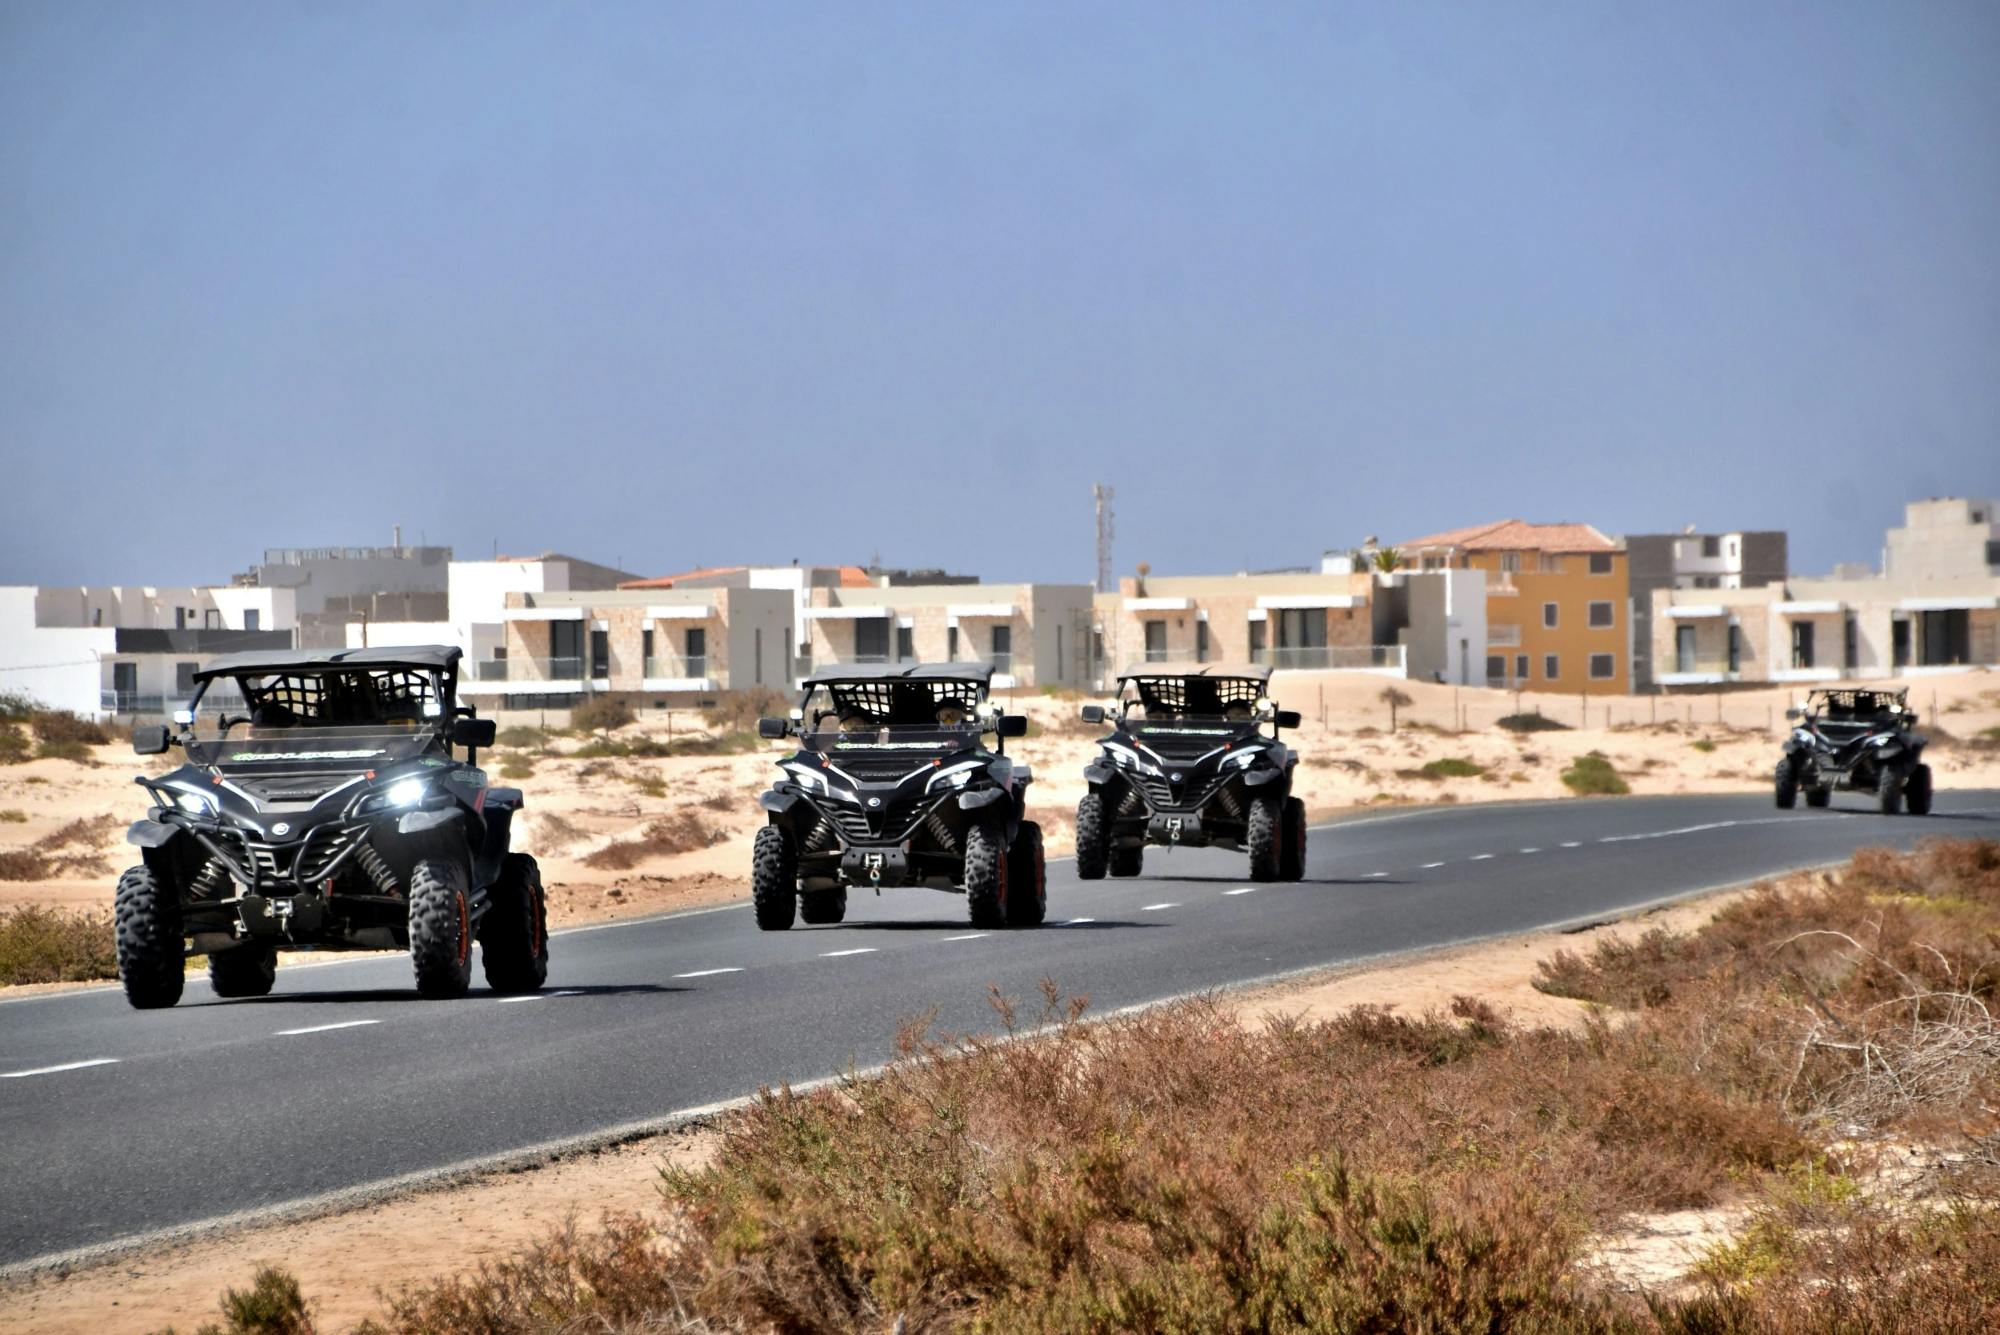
[
  {"x": 1243, "y": 759},
  {"x": 405, "y": 794},
  {"x": 196, "y": 803}
]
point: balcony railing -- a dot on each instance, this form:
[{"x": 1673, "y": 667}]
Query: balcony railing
[
  {"x": 1503, "y": 636},
  {"x": 528, "y": 669},
  {"x": 1333, "y": 658},
  {"x": 1704, "y": 665},
  {"x": 677, "y": 665}
]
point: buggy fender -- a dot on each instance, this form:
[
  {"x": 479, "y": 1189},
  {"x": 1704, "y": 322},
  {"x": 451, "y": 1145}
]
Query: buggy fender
[
  {"x": 417, "y": 822},
  {"x": 150, "y": 834},
  {"x": 983, "y": 797},
  {"x": 1257, "y": 778},
  {"x": 777, "y": 803},
  {"x": 503, "y": 799},
  {"x": 1098, "y": 774}
]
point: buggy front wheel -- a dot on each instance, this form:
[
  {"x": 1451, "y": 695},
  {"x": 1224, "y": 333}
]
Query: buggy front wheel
[{"x": 1917, "y": 792}]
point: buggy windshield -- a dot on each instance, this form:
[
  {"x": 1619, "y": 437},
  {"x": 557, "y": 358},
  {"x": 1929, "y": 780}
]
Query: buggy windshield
[
  {"x": 1230, "y": 698},
  {"x": 318, "y": 748},
  {"x": 865, "y": 710},
  {"x": 1845, "y": 705},
  {"x": 342, "y": 716}
]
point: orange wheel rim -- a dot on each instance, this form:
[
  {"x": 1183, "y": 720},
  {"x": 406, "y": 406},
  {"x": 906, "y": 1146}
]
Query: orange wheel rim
[{"x": 464, "y": 929}]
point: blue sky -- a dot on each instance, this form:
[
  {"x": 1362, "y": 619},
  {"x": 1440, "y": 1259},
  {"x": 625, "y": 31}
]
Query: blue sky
[{"x": 680, "y": 284}]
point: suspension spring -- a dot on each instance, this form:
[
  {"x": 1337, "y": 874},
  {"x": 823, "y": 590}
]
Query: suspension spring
[
  {"x": 822, "y": 836},
  {"x": 941, "y": 831},
  {"x": 210, "y": 880},
  {"x": 378, "y": 870}
]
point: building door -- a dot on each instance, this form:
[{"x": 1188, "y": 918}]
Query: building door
[
  {"x": 1736, "y": 648},
  {"x": 1003, "y": 649},
  {"x": 1683, "y": 648},
  {"x": 1850, "y": 635},
  {"x": 125, "y": 687},
  {"x": 1802, "y": 644},
  {"x": 906, "y": 644},
  {"x": 694, "y": 644},
  {"x": 1156, "y": 641},
  {"x": 1899, "y": 642},
  {"x": 1947, "y": 637},
  {"x": 871, "y": 640},
  {"x": 1301, "y": 637},
  {"x": 600, "y": 654},
  {"x": 565, "y": 650}
]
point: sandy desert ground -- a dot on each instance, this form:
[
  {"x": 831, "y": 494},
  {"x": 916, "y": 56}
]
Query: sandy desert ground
[{"x": 622, "y": 836}]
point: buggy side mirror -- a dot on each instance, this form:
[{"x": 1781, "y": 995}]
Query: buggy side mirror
[
  {"x": 472, "y": 732},
  {"x": 1092, "y": 713},
  {"x": 1012, "y": 725},
  {"x": 773, "y": 729},
  {"x": 1795, "y": 713},
  {"x": 1286, "y": 718},
  {"x": 150, "y": 740}
]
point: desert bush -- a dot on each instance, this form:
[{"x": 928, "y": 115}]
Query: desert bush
[
  {"x": 42, "y": 945},
  {"x": 16, "y": 707},
  {"x": 1530, "y": 723},
  {"x": 517, "y": 767},
  {"x": 682, "y": 832},
  {"x": 13, "y": 816},
  {"x": 738, "y": 711},
  {"x": 14, "y": 746},
  {"x": 58, "y": 726},
  {"x": 1702, "y": 744},
  {"x": 272, "y": 1305},
  {"x": 520, "y": 738},
  {"x": 69, "y": 850},
  {"x": 63, "y": 748},
  {"x": 1592, "y": 774},
  {"x": 600, "y": 713},
  {"x": 1451, "y": 767}
]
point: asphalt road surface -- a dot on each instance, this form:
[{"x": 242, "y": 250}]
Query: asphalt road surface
[{"x": 116, "y": 1123}]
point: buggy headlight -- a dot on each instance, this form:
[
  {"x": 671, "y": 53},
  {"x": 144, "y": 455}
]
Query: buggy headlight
[
  {"x": 198, "y": 803},
  {"x": 407, "y": 793},
  {"x": 1243, "y": 759}
]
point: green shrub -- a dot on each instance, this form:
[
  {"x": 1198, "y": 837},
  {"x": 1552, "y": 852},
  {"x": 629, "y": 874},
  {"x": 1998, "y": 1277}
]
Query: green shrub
[
  {"x": 42, "y": 945},
  {"x": 1702, "y": 744},
  {"x": 1451, "y": 767},
  {"x": 1531, "y": 723},
  {"x": 15, "y": 707},
  {"x": 272, "y": 1305},
  {"x": 14, "y": 746},
  {"x": 1593, "y": 775}
]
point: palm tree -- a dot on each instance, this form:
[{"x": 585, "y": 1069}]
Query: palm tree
[
  {"x": 1395, "y": 699},
  {"x": 1388, "y": 560}
]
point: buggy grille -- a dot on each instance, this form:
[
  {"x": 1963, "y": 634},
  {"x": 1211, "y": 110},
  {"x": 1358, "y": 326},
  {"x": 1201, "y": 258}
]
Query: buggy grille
[
  {"x": 313, "y": 858},
  {"x": 892, "y": 822}
]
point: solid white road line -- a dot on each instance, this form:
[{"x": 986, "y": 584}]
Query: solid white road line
[
  {"x": 969, "y": 936},
  {"x": 858, "y": 950},
  {"x": 710, "y": 973},
  {"x": 1246, "y": 890},
  {"x": 66, "y": 1066},
  {"x": 323, "y": 1028},
  {"x": 1155, "y": 908}
]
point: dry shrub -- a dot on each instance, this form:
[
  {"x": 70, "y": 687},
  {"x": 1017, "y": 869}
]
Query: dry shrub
[
  {"x": 43, "y": 945},
  {"x": 600, "y": 713},
  {"x": 14, "y": 748},
  {"x": 68, "y": 851},
  {"x": 57, "y": 726},
  {"x": 738, "y": 711},
  {"x": 1530, "y": 723},
  {"x": 681, "y": 832}
]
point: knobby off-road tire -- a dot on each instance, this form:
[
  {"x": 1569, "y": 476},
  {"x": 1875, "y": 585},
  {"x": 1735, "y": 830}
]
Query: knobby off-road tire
[
  {"x": 514, "y": 934},
  {"x": 1889, "y": 792},
  {"x": 986, "y": 877},
  {"x": 1128, "y": 861},
  {"x": 1028, "y": 878},
  {"x": 441, "y": 928},
  {"x": 1264, "y": 837},
  {"x": 1093, "y": 838},
  {"x": 1819, "y": 797},
  {"x": 243, "y": 971},
  {"x": 774, "y": 879},
  {"x": 1917, "y": 792},
  {"x": 148, "y": 930},
  {"x": 1787, "y": 787},
  {"x": 820, "y": 907},
  {"x": 1292, "y": 857}
]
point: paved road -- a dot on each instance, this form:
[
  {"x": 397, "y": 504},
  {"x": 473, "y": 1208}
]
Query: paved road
[{"x": 115, "y": 1123}]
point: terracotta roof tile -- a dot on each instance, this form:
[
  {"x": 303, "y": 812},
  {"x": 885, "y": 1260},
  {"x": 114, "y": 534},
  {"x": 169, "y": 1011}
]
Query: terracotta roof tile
[{"x": 1517, "y": 535}]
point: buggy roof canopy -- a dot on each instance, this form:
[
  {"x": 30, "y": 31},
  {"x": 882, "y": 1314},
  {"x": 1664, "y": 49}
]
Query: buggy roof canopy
[
  {"x": 1851, "y": 694},
  {"x": 1166, "y": 671},
  {"x": 439, "y": 656},
  {"x": 979, "y": 672}
]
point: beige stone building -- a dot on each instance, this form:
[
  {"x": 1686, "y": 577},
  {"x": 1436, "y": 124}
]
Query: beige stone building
[
  {"x": 1298, "y": 621},
  {"x": 672, "y": 645},
  {"x": 1935, "y": 608},
  {"x": 1034, "y": 635}
]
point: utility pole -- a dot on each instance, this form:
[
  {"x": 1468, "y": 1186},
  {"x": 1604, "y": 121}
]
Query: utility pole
[{"x": 1101, "y": 494}]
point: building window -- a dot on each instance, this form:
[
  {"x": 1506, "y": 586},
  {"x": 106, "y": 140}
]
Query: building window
[
  {"x": 1496, "y": 669},
  {"x": 1600, "y": 563},
  {"x": 1802, "y": 644},
  {"x": 1549, "y": 611},
  {"x": 1156, "y": 641},
  {"x": 1551, "y": 565},
  {"x": 252, "y": 618},
  {"x": 1600, "y": 615},
  {"x": 951, "y": 644},
  {"x": 1735, "y": 648},
  {"x": 600, "y": 654},
  {"x": 1258, "y": 642},
  {"x": 1003, "y": 648},
  {"x": 646, "y": 651},
  {"x": 1603, "y": 667},
  {"x": 1551, "y": 666},
  {"x": 1200, "y": 641},
  {"x": 695, "y": 645},
  {"x": 565, "y": 650},
  {"x": 96, "y": 616},
  {"x": 180, "y": 618},
  {"x": 184, "y": 679},
  {"x": 871, "y": 640},
  {"x": 1520, "y": 667},
  {"x": 1059, "y": 654},
  {"x": 1510, "y": 563},
  {"x": 906, "y": 644},
  {"x": 1684, "y": 648},
  {"x": 1849, "y": 642},
  {"x": 1711, "y": 546}
]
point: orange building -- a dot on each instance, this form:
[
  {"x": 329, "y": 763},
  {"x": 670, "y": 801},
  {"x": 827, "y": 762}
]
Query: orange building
[{"x": 1558, "y": 606}]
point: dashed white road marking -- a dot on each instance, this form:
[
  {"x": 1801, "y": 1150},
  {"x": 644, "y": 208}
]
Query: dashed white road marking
[
  {"x": 1374, "y": 874},
  {"x": 1531, "y": 850},
  {"x": 1481, "y": 857},
  {"x": 1077, "y": 922},
  {"x": 858, "y": 950},
  {"x": 710, "y": 973},
  {"x": 1432, "y": 866},
  {"x": 323, "y": 1028},
  {"x": 1246, "y": 890},
  {"x": 1155, "y": 908},
  {"x": 1571, "y": 843},
  {"x": 540, "y": 996},
  {"x": 969, "y": 936},
  {"x": 65, "y": 1066}
]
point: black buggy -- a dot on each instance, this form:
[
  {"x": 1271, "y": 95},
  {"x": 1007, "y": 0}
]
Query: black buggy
[
  {"x": 1855, "y": 740},
  {"x": 1188, "y": 763},
  {"x": 893, "y": 785},
  {"x": 323, "y": 807}
]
